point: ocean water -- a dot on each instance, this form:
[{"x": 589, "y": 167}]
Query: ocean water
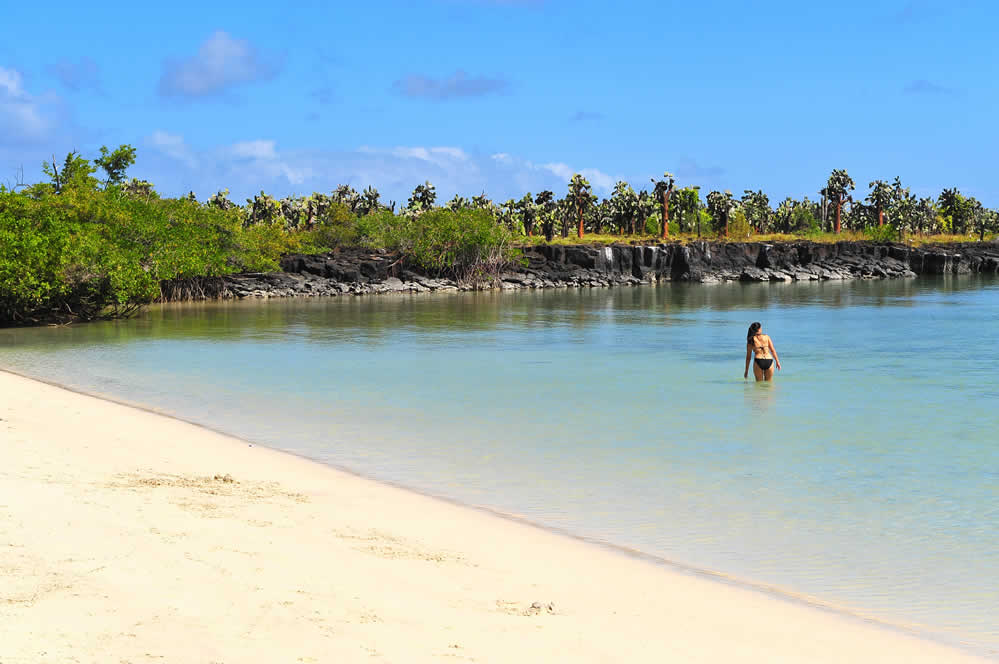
[{"x": 864, "y": 478}]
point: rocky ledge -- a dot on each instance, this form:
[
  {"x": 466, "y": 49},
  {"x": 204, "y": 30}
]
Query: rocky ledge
[{"x": 355, "y": 272}]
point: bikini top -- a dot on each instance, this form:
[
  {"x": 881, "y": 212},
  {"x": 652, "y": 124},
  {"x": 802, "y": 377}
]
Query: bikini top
[{"x": 760, "y": 345}]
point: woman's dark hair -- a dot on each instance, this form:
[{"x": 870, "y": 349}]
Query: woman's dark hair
[{"x": 753, "y": 329}]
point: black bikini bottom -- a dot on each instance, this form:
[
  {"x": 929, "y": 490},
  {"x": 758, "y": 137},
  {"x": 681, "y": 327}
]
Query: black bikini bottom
[{"x": 764, "y": 364}]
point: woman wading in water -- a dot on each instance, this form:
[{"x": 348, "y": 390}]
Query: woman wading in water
[{"x": 762, "y": 346}]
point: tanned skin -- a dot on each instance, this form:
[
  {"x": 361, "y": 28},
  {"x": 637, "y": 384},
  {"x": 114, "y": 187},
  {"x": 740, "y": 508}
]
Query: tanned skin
[{"x": 763, "y": 346}]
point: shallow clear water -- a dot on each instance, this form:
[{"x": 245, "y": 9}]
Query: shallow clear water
[{"x": 866, "y": 477}]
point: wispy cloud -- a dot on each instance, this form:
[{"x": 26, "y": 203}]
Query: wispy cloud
[
  {"x": 553, "y": 175},
  {"x": 174, "y": 146},
  {"x": 923, "y": 87},
  {"x": 246, "y": 167},
  {"x": 221, "y": 63},
  {"x": 459, "y": 84},
  {"x": 600, "y": 181},
  {"x": 79, "y": 75},
  {"x": 261, "y": 158},
  {"x": 24, "y": 117},
  {"x": 434, "y": 155}
]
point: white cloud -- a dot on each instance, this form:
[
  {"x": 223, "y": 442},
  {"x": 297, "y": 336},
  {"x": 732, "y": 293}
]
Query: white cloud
[
  {"x": 561, "y": 170},
  {"x": 173, "y": 145},
  {"x": 254, "y": 149},
  {"x": 260, "y": 158},
  {"x": 220, "y": 63},
  {"x": 601, "y": 181},
  {"x": 12, "y": 82},
  {"x": 454, "y": 153},
  {"x": 444, "y": 157},
  {"x": 246, "y": 167},
  {"x": 250, "y": 164},
  {"x": 24, "y": 118}
]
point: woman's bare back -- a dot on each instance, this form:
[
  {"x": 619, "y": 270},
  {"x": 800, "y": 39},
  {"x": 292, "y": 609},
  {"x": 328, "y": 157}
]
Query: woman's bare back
[{"x": 761, "y": 346}]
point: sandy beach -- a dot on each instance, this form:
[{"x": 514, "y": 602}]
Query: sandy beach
[{"x": 127, "y": 536}]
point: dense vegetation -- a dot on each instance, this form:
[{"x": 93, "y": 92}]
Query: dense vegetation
[{"x": 79, "y": 246}]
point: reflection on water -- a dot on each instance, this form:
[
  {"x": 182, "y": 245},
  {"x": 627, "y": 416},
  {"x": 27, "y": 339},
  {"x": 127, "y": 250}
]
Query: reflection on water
[
  {"x": 865, "y": 475},
  {"x": 760, "y": 396}
]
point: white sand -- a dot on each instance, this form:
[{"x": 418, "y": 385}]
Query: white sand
[{"x": 117, "y": 546}]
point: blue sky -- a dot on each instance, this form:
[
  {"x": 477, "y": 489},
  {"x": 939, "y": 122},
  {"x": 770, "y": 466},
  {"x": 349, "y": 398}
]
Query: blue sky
[{"x": 508, "y": 96}]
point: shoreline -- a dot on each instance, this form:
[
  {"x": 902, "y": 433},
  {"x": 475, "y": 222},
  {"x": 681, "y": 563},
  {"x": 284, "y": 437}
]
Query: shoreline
[
  {"x": 700, "y": 602},
  {"x": 706, "y": 574}
]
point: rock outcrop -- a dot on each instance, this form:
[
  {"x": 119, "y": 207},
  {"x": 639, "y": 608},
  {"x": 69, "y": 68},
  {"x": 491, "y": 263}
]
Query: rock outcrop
[{"x": 355, "y": 272}]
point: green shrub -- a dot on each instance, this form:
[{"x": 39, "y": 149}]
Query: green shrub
[
  {"x": 339, "y": 227},
  {"x": 34, "y": 245},
  {"x": 466, "y": 244},
  {"x": 881, "y": 233},
  {"x": 91, "y": 253},
  {"x": 738, "y": 225},
  {"x": 803, "y": 222},
  {"x": 263, "y": 245},
  {"x": 706, "y": 224},
  {"x": 653, "y": 225}
]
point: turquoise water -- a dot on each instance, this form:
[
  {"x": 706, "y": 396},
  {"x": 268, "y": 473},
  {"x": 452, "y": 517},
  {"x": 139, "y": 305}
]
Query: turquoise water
[{"x": 866, "y": 477}]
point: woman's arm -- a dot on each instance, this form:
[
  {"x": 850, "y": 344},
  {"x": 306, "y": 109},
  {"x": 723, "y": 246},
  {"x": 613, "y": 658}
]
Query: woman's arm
[
  {"x": 773, "y": 351},
  {"x": 749, "y": 357}
]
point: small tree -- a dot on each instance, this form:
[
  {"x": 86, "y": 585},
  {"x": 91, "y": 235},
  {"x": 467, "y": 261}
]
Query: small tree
[
  {"x": 837, "y": 189},
  {"x": 782, "y": 215},
  {"x": 663, "y": 191},
  {"x": 369, "y": 202},
  {"x": 457, "y": 203},
  {"x": 880, "y": 198},
  {"x": 545, "y": 208},
  {"x": 115, "y": 163},
  {"x": 738, "y": 224},
  {"x": 76, "y": 173},
  {"x": 262, "y": 209},
  {"x": 136, "y": 188},
  {"x": 566, "y": 216},
  {"x": 957, "y": 208},
  {"x": 423, "y": 199},
  {"x": 220, "y": 200},
  {"x": 647, "y": 205},
  {"x": 756, "y": 206},
  {"x": 982, "y": 220},
  {"x": 581, "y": 197},
  {"x": 925, "y": 215},
  {"x": 624, "y": 206},
  {"x": 603, "y": 215},
  {"x": 720, "y": 207},
  {"x": 525, "y": 208},
  {"x": 902, "y": 214},
  {"x": 684, "y": 206},
  {"x": 507, "y": 214},
  {"x": 346, "y": 195},
  {"x": 482, "y": 202}
]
